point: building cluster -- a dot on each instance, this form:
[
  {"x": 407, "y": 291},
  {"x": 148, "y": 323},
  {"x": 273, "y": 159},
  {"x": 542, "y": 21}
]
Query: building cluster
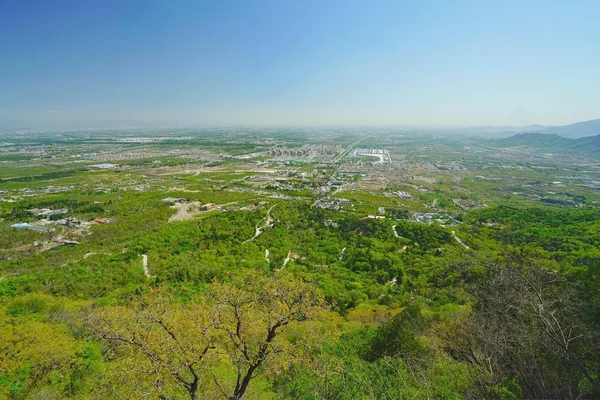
[
  {"x": 152, "y": 139},
  {"x": 450, "y": 166},
  {"x": 382, "y": 154},
  {"x": 47, "y": 212},
  {"x": 47, "y": 225},
  {"x": 400, "y": 194},
  {"x": 467, "y": 204},
  {"x": 177, "y": 202},
  {"x": 334, "y": 204},
  {"x": 434, "y": 218},
  {"x": 371, "y": 151},
  {"x": 559, "y": 202},
  {"x": 105, "y": 166},
  {"x": 124, "y": 156},
  {"x": 305, "y": 150}
]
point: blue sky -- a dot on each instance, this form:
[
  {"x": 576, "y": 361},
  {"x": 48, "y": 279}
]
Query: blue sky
[{"x": 300, "y": 62}]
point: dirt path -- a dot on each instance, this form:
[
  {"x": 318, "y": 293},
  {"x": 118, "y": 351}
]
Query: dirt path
[
  {"x": 287, "y": 260},
  {"x": 342, "y": 253},
  {"x": 460, "y": 241},
  {"x": 145, "y": 265},
  {"x": 93, "y": 253},
  {"x": 259, "y": 229}
]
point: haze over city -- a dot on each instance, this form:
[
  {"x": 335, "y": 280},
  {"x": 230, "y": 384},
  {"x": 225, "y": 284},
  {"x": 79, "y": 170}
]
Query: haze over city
[{"x": 434, "y": 63}]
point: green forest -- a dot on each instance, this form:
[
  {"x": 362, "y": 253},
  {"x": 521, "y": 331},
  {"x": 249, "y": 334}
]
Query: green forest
[
  {"x": 358, "y": 311},
  {"x": 448, "y": 274}
]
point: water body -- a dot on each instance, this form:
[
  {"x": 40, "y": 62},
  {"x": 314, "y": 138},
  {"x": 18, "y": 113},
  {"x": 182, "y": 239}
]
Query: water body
[{"x": 57, "y": 248}]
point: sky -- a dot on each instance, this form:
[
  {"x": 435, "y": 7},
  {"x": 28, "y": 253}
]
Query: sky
[{"x": 299, "y": 62}]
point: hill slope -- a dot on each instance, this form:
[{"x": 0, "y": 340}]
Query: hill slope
[
  {"x": 590, "y": 144},
  {"x": 536, "y": 140},
  {"x": 576, "y": 130},
  {"x": 551, "y": 142}
]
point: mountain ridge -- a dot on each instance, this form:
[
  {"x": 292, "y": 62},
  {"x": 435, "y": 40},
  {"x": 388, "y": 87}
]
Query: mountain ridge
[
  {"x": 551, "y": 141},
  {"x": 576, "y": 130}
]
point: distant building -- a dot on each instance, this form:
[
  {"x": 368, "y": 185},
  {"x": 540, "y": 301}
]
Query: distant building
[
  {"x": 46, "y": 212},
  {"x": 206, "y": 207},
  {"x": 105, "y": 166}
]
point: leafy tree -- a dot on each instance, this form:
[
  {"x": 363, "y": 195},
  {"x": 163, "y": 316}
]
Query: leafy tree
[
  {"x": 214, "y": 344},
  {"x": 398, "y": 336},
  {"x": 39, "y": 355},
  {"x": 253, "y": 313}
]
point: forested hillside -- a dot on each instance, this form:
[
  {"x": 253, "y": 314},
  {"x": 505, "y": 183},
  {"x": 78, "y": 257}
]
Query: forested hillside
[{"x": 453, "y": 272}]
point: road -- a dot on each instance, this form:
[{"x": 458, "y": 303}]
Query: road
[{"x": 345, "y": 152}]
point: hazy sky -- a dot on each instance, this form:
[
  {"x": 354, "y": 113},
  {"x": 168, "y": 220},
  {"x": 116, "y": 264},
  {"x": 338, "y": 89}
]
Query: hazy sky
[{"x": 300, "y": 61}]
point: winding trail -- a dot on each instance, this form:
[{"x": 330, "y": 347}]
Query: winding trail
[
  {"x": 259, "y": 229},
  {"x": 267, "y": 256},
  {"x": 459, "y": 241},
  {"x": 93, "y": 253},
  {"x": 287, "y": 260},
  {"x": 342, "y": 253}
]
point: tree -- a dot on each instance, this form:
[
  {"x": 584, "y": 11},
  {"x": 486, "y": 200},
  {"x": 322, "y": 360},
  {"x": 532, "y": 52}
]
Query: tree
[
  {"x": 253, "y": 313},
  {"x": 39, "y": 355},
  {"x": 215, "y": 344},
  {"x": 398, "y": 336},
  {"x": 173, "y": 339},
  {"x": 528, "y": 323}
]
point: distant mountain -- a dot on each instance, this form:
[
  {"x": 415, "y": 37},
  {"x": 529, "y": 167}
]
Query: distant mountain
[
  {"x": 577, "y": 130},
  {"x": 589, "y": 144},
  {"x": 535, "y": 140},
  {"x": 497, "y": 131},
  {"x": 551, "y": 142},
  {"x": 573, "y": 131}
]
